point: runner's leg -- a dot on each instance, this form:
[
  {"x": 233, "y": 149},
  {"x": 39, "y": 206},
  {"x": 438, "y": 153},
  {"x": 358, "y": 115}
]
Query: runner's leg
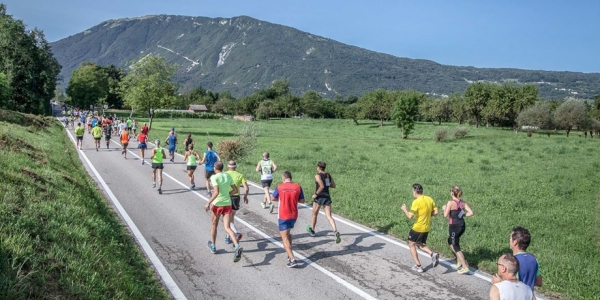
[
  {"x": 286, "y": 238},
  {"x": 330, "y": 218},
  {"x": 213, "y": 228},
  {"x": 315, "y": 214}
]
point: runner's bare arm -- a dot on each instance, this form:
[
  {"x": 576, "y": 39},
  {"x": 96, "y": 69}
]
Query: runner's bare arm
[
  {"x": 331, "y": 182},
  {"x": 274, "y": 166},
  {"x": 234, "y": 190},
  {"x": 469, "y": 211},
  {"x": 446, "y": 208},
  {"x": 494, "y": 293},
  {"x": 258, "y": 167},
  {"x": 321, "y": 187},
  {"x": 406, "y": 212},
  {"x": 203, "y": 159},
  {"x": 246, "y": 191},
  {"x": 538, "y": 281}
]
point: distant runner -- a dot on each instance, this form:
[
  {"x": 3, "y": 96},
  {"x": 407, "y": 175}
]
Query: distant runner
[
  {"x": 97, "y": 133},
  {"x": 191, "y": 157},
  {"x": 188, "y": 141},
  {"x": 134, "y": 127},
  {"x": 157, "y": 157},
  {"x": 142, "y": 145},
  {"x": 288, "y": 194},
  {"x": 124, "y": 143},
  {"x": 145, "y": 129},
  {"x": 223, "y": 188},
  {"x": 129, "y": 124},
  {"x": 239, "y": 180},
  {"x": 79, "y": 132},
  {"x": 456, "y": 210},
  {"x": 321, "y": 197},
  {"x": 266, "y": 167},
  {"x": 171, "y": 140},
  {"x": 209, "y": 159}
]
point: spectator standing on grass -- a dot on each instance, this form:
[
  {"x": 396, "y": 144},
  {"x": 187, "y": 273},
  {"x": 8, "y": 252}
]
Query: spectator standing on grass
[
  {"x": 456, "y": 210},
  {"x": 223, "y": 189},
  {"x": 171, "y": 140},
  {"x": 266, "y": 167},
  {"x": 529, "y": 269},
  {"x": 422, "y": 208},
  {"x": 238, "y": 180},
  {"x": 505, "y": 285},
  {"x": 289, "y": 194},
  {"x": 209, "y": 159},
  {"x": 321, "y": 197}
]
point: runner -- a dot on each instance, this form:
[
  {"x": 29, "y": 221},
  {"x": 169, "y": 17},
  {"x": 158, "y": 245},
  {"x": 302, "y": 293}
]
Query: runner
[
  {"x": 145, "y": 129},
  {"x": 238, "y": 179},
  {"x": 288, "y": 194},
  {"x": 122, "y": 127},
  {"x": 321, "y": 197},
  {"x": 124, "y": 142},
  {"x": 456, "y": 209},
  {"x": 97, "y": 133},
  {"x": 423, "y": 208},
  {"x": 143, "y": 141},
  {"x": 171, "y": 140},
  {"x": 107, "y": 134},
  {"x": 192, "y": 163},
  {"x": 529, "y": 268},
  {"x": 88, "y": 122},
  {"x": 115, "y": 126},
  {"x": 266, "y": 167},
  {"x": 188, "y": 141},
  {"x": 94, "y": 122},
  {"x": 506, "y": 285},
  {"x": 223, "y": 188},
  {"x": 158, "y": 154},
  {"x": 129, "y": 124},
  {"x": 134, "y": 127},
  {"x": 79, "y": 132},
  {"x": 209, "y": 159}
]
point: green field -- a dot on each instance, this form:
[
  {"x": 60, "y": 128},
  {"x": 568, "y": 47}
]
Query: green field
[
  {"x": 548, "y": 184},
  {"x": 59, "y": 239}
]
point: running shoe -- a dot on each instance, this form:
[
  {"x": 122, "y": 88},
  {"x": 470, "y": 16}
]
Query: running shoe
[
  {"x": 160, "y": 191},
  {"x": 227, "y": 240},
  {"x": 238, "y": 253},
  {"x": 263, "y": 204},
  {"x": 435, "y": 259},
  {"x": 292, "y": 263},
  {"x": 338, "y": 239},
  {"x": 212, "y": 247},
  {"x": 463, "y": 271},
  {"x": 239, "y": 236},
  {"x": 417, "y": 269},
  {"x": 153, "y": 184},
  {"x": 208, "y": 194},
  {"x": 122, "y": 152},
  {"x": 456, "y": 266},
  {"x": 96, "y": 149},
  {"x": 106, "y": 146},
  {"x": 142, "y": 161},
  {"x": 271, "y": 208},
  {"x": 310, "y": 230}
]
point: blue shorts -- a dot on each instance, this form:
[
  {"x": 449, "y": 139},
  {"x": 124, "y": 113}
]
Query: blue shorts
[
  {"x": 142, "y": 146},
  {"x": 171, "y": 149},
  {"x": 286, "y": 224}
]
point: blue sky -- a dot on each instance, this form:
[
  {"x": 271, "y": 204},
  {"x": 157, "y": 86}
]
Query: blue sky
[{"x": 539, "y": 35}]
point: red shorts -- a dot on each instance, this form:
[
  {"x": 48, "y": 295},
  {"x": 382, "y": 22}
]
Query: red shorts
[{"x": 221, "y": 210}]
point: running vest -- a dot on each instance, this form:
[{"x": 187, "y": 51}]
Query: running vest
[
  {"x": 266, "y": 170},
  {"x": 211, "y": 159},
  {"x": 326, "y": 178},
  {"x": 456, "y": 215},
  {"x": 192, "y": 160},
  {"x": 158, "y": 157}
]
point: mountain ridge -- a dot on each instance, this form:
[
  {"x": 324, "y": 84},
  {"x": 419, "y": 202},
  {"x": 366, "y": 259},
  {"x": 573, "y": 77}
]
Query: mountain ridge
[{"x": 243, "y": 54}]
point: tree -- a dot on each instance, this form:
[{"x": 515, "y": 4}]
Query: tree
[
  {"x": 570, "y": 114},
  {"x": 115, "y": 75},
  {"x": 536, "y": 116},
  {"x": 376, "y": 105},
  {"x": 88, "y": 85},
  {"x": 149, "y": 86},
  {"x": 406, "y": 110},
  {"x": 4, "y": 90},
  {"x": 265, "y": 110},
  {"x": 352, "y": 112},
  {"x": 477, "y": 94},
  {"x": 312, "y": 104},
  {"x": 59, "y": 95},
  {"x": 458, "y": 107}
]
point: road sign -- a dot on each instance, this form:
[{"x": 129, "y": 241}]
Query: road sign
[{"x": 105, "y": 106}]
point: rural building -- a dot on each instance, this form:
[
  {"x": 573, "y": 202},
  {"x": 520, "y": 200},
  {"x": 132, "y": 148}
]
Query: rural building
[{"x": 198, "y": 108}]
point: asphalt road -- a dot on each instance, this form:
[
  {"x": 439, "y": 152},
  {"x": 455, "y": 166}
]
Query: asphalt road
[{"x": 173, "y": 230}]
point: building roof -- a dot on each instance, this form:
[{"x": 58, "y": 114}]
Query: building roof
[{"x": 197, "y": 107}]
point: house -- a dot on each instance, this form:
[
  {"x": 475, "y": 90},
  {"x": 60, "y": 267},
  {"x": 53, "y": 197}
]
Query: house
[{"x": 198, "y": 108}]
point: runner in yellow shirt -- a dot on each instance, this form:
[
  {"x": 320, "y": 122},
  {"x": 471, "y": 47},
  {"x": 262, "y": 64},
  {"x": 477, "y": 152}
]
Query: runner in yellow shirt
[
  {"x": 79, "y": 131},
  {"x": 97, "y": 134}
]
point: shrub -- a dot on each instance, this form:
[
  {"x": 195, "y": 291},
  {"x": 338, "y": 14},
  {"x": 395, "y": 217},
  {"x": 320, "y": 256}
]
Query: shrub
[
  {"x": 461, "y": 132},
  {"x": 239, "y": 148},
  {"x": 185, "y": 115},
  {"x": 441, "y": 134}
]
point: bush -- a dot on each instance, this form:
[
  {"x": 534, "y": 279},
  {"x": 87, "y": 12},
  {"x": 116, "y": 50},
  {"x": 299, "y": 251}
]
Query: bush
[
  {"x": 461, "y": 132},
  {"x": 441, "y": 134},
  {"x": 242, "y": 146},
  {"x": 185, "y": 115}
]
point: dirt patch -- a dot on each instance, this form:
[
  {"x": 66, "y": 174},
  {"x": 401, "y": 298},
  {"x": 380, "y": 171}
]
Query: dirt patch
[{"x": 30, "y": 174}]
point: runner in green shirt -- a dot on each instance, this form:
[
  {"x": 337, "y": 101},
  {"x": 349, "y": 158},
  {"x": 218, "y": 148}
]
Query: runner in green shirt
[
  {"x": 79, "y": 131},
  {"x": 97, "y": 134},
  {"x": 238, "y": 180}
]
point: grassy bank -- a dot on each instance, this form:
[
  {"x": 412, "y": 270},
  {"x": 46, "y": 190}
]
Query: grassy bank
[
  {"x": 59, "y": 239},
  {"x": 548, "y": 184}
]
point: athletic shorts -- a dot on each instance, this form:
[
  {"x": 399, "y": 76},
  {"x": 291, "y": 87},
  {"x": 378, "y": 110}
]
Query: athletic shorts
[
  {"x": 157, "y": 166},
  {"x": 235, "y": 202},
  {"x": 125, "y": 145},
  {"x": 142, "y": 146},
  {"x": 286, "y": 224},
  {"x": 191, "y": 168},
  {"x": 266, "y": 183},
  {"x": 172, "y": 149},
  {"x": 107, "y": 137},
  {"x": 323, "y": 201},
  {"x": 454, "y": 236},
  {"x": 221, "y": 210},
  {"x": 128, "y": 128},
  {"x": 80, "y": 138},
  {"x": 208, "y": 174},
  {"x": 418, "y": 237},
  {"x": 98, "y": 138}
]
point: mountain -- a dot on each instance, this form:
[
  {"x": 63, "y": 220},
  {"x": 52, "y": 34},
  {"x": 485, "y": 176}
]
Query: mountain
[{"x": 242, "y": 55}]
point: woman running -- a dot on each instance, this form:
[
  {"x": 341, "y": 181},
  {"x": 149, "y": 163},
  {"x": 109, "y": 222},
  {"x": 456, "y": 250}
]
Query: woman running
[
  {"x": 134, "y": 127},
  {"x": 192, "y": 163},
  {"x": 456, "y": 209},
  {"x": 188, "y": 141},
  {"x": 142, "y": 140}
]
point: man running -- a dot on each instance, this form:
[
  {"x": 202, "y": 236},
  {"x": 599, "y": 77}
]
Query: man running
[
  {"x": 321, "y": 197},
  {"x": 191, "y": 157},
  {"x": 107, "y": 134},
  {"x": 88, "y": 122},
  {"x": 288, "y": 194},
  {"x": 94, "y": 122},
  {"x": 223, "y": 188},
  {"x": 266, "y": 167},
  {"x": 239, "y": 180},
  {"x": 423, "y": 208},
  {"x": 122, "y": 127},
  {"x": 209, "y": 159},
  {"x": 97, "y": 134},
  {"x": 124, "y": 143},
  {"x": 79, "y": 132},
  {"x": 157, "y": 157},
  {"x": 529, "y": 268},
  {"x": 129, "y": 124},
  {"x": 134, "y": 126},
  {"x": 171, "y": 140},
  {"x": 142, "y": 145},
  {"x": 145, "y": 129}
]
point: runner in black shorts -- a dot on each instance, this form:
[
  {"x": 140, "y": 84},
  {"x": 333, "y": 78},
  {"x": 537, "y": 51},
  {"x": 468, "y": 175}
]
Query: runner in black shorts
[
  {"x": 456, "y": 210},
  {"x": 321, "y": 197}
]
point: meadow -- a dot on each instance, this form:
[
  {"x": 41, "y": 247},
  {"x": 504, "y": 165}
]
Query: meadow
[
  {"x": 59, "y": 238},
  {"x": 546, "y": 183}
]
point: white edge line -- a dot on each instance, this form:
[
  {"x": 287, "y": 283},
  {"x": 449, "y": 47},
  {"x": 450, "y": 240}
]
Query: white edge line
[{"x": 160, "y": 268}]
